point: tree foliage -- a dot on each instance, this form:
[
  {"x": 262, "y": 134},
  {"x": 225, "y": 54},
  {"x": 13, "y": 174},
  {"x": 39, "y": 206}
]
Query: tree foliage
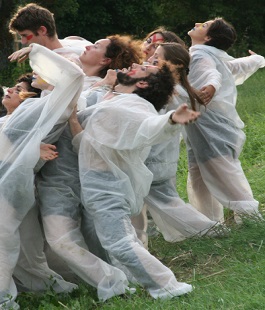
[{"x": 96, "y": 19}]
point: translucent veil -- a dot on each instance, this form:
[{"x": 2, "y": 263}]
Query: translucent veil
[{"x": 20, "y": 142}]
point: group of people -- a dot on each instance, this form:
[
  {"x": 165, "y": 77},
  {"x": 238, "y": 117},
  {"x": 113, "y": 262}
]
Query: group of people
[{"x": 90, "y": 146}]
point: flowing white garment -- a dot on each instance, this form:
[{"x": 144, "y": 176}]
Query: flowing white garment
[
  {"x": 216, "y": 139},
  {"x": 175, "y": 219},
  {"x": 114, "y": 181},
  {"x": 59, "y": 195},
  {"x": 20, "y": 140}
]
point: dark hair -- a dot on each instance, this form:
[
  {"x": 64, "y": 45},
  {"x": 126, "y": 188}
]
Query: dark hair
[
  {"x": 27, "y": 78},
  {"x": 222, "y": 34},
  {"x": 160, "y": 87},
  {"x": 179, "y": 57},
  {"x": 2, "y": 108},
  {"x": 123, "y": 52},
  {"x": 1, "y": 92},
  {"x": 32, "y": 17},
  {"x": 167, "y": 35}
]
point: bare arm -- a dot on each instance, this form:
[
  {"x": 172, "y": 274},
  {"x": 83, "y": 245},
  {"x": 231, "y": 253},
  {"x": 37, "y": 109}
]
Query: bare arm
[
  {"x": 20, "y": 55},
  {"x": 74, "y": 124}
]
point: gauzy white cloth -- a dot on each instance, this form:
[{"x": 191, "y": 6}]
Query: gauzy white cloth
[
  {"x": 59, "y": 195},
  {"x": 114, "y": 180},
  {"x": 216, "y": 139},
  {"x": 175, "y": 219},
  {"x": 20, "y": 140}
]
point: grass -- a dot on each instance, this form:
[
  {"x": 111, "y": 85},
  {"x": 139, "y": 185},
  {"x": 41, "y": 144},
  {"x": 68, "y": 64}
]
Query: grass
[{"x": 227, "y": 273}]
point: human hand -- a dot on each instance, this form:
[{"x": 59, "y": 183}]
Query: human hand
[
  {"x": 111, "y": 77},
  {"x": 20, "y": 55},
  {"x": 207, "y": 93},
  {"x": 73, "y": 117},
  {"x": 183, "y": 115},
  {"x": 109, "y": 80},
  {"x": 74, "y": 124},
  {"x": 251, "y": 52},
  {"x": 48, "y": 151}
]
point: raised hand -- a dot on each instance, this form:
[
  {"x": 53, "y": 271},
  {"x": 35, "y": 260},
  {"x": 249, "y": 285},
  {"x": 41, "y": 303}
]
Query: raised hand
[
  {"x": 48, "y": 151},
  {"x": 20, "y": 55},
  {"x": 207, "y": 93},
  {"x": 183, "y": 115}
]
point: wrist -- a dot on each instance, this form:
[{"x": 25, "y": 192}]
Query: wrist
[
  {"x": 171, "y": 121},
  {"x": 106, "y": 87}
]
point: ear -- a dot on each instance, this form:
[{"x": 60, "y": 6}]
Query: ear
[
  {"x": 42, "y": 31},
  {"x": 141, "y": 84},
  {"x": 207, "y": 38},
  {"x": 105, "y": 61}
]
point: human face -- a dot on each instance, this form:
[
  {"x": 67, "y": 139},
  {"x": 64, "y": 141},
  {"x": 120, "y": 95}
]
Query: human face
[
  {"x": 150, "y": 44},
  {"x": 157, "y": 57},
  {"x": 135, "y": 74},
  {"x": 27, "y": 37},
  {"x": 198, "y": 33},
  {"x": 141, "y": 71},
  {"x": 38, "y": 82},
  {"x": 12, "y": 99},
  {"x": 94, "y": 54}
]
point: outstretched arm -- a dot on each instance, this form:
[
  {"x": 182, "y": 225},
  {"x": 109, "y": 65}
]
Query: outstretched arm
[
  {"x": 20, "y": 55},
  {"x": 183, "y": 115}
]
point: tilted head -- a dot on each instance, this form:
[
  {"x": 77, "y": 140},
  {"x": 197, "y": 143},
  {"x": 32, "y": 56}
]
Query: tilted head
[
  {"x": 179, "y": 59},
  {"x": 114, "y": 52},
  {"x": 17, "y": 94},
  {"x": 31, "y": 21},
  {"x": 157, "y": 36},
  {"x": 221, "y": 34},
  {"x": 217, "y": 33},
  {"x": 152, "y": 83}
]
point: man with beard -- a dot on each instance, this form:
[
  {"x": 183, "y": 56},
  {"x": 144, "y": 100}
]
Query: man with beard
[{"x": 112, "y": 148}]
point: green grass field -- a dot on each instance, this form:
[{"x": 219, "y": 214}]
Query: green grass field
[{"x": 227, "y": 273}]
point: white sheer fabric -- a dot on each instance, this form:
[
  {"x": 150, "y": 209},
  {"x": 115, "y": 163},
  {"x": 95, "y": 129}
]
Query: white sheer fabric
[
  {"x": 216, "y": 139},
  {"x": 75, "y": 45},
  {"x": 175, "y": 219},
  {"x": 20, "y": 140},
  {"x": 59, "y": 195},
  {"x": 114, "y": 181}
]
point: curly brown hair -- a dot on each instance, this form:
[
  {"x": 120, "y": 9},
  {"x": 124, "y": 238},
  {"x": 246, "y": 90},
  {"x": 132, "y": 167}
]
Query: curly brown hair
[
  {"x": 123, "y": 51},
  {"x": 160, "y": 87}
]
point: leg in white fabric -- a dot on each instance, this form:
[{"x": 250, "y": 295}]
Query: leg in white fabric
[
  {"x": 140, "y": 224},
  {"x": 9, "y": 251},
  {"x": 227, "y": 182},
  {"x": 200, "y": 196},
  {"x": 176, "y": 219},
  {"x": 32, "y": 269},
  {"x": 64, "y": 236},
  {"x": 111, "y": 216}
]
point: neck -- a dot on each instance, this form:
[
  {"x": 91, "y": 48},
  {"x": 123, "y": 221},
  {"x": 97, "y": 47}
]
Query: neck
[
  {"x": 52, "y": 43},
  {"x": 90, "y": 71},
  {"x": 124, "y": 89},
  {"x": 194, "y": 42}
]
